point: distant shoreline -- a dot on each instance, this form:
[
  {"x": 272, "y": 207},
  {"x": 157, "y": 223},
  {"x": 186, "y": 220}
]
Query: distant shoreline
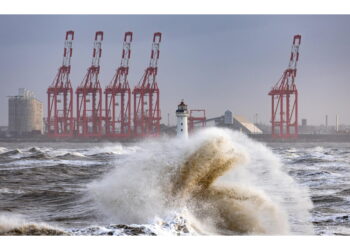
[{"x": 304, "y": 138}]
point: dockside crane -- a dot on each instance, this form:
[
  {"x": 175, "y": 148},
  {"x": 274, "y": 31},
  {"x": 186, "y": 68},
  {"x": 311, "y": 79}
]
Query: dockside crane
[
  {"x": 118, "y": 96},
  {"x": 89, "y": 96},
  {"x": 284, "y": 98},
  {"x": 146, "y": 97},
  {"x": 197, "y": 118},
  {"x": 60, "y": 121}
]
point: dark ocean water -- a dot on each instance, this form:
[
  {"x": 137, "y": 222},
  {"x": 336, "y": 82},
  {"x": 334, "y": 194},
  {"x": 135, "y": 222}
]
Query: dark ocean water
[
  {"x": 325, "y": 169},
  {"x": 44, "y": 186}
]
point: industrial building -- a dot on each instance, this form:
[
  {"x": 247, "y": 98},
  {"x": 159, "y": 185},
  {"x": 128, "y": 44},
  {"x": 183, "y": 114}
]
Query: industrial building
[
  {"x": 242, "y": 124},
  {"x": 235, "y": 122},
  {"x": 25, "y": 114}
]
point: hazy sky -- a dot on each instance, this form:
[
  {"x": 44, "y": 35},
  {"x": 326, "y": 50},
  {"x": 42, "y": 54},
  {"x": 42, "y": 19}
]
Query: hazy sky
[{"x": 213, "y": 62}]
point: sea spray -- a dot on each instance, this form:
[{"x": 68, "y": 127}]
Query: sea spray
[
  {"x": 265, "y": 172},
  {"x": 227, "y": 183}
]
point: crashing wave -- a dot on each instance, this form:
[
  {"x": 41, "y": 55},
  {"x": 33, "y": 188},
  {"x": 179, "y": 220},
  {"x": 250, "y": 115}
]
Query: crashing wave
[{"x": 227, "y": 183}]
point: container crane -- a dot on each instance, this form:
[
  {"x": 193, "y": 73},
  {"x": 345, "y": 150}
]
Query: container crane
[
  {"x": 284, "y": 98},
  {"x": 146, "y": 97},
  {"x": 118, "y": 96},
  {"x": 60, "y": 121},
  {"x": 89, "y": 96}
]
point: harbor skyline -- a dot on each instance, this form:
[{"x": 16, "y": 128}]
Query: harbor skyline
[{"x": 237, "y": 58}]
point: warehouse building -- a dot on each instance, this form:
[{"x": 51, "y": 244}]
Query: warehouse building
[{"x": 242, "y": 124}]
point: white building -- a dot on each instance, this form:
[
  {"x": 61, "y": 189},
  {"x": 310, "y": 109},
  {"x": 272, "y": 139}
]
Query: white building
[{"x": 25, "y": 113}]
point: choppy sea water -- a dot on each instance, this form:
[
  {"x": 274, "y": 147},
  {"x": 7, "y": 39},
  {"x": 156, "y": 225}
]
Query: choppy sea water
[
  {"x": 169, "y": 187},
  {"x": 324, "y": 168}
]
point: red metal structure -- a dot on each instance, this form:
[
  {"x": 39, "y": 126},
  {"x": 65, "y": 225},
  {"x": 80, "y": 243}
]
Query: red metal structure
[
  {"x": 197, "y": 118},
  {"x": 118, "y": 95},
  {"x": 146, "y": 97},
  {"x": 89, "y": 96},
  {"x": 60, "y": 121},
  {"x": 284, "y": 96}
]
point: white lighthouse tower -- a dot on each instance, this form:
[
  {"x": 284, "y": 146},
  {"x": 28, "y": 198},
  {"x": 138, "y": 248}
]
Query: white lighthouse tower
[{"x": 182, "y": 114}]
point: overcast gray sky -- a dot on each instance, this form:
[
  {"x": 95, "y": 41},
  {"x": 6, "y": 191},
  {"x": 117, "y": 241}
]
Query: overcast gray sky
[{"x": 213, "y": 62}]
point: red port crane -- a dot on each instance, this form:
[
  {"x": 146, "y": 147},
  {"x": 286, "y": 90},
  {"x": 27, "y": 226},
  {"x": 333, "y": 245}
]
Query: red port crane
[
  {"x": 197, "y": 118},
  {"x": 146, "y": 97},
  {"x": 284, "y": 96},
  {"x": 89, "y": 96},
  {"x": 60, "y": 119},
  {"x": 118, "y": 95}
]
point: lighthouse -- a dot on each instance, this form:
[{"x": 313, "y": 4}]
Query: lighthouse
[{"x": 182, "y": 114}]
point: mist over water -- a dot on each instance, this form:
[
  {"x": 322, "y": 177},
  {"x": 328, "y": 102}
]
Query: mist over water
[{"x": 219, "y": 181}]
